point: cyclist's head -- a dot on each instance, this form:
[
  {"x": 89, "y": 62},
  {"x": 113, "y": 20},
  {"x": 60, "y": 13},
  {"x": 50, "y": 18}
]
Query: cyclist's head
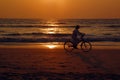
[{"x": 77, "y": 27}]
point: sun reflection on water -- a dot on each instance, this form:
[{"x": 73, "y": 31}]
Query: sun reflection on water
[
  {"x": 53, "y": 24},
  {"x": 51, "y": 30},
  {"x": 52, "y": 27}
]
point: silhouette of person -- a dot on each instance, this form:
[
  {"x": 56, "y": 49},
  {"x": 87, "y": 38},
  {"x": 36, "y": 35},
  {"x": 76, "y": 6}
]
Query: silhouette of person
[{"x": 75, "y": 36}]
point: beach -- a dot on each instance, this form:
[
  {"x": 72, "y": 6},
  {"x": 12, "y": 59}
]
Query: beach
[
  {"x": 40, "y": 62},
  {"x": 35, "y": 36}
]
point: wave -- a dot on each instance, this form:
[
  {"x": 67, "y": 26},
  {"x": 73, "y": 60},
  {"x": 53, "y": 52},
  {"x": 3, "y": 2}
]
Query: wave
[
  {"x": 52, "y": 26},
  {"x": 60, "y": 22},
  {"x": 1, "y": 31},
  {"x": 113, "y": 26},
  {"x": 34, "y": 26},
  {"x": 36, "y": 34},
  {"x": 55, "y": 39}
]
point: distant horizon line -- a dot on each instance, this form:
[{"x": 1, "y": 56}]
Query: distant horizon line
[{"x": 60, "y": 18}]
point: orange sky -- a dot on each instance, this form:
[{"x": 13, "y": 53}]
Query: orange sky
[{"x": 59, "y": 9}]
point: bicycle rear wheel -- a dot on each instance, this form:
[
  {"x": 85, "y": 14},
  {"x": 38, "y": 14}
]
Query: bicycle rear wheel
[
  {"x": 86, "y": 46},
  {"x": 68, "y": 46}
]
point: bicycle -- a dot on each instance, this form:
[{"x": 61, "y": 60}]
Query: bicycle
[{"x": 84, "y": 45}]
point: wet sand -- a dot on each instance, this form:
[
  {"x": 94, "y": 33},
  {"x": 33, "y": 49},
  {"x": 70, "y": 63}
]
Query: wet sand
[{"x": 41, "y": 63}]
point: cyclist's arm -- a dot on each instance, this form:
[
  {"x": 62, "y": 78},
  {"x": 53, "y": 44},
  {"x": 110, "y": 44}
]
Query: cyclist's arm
[{"x": 81, "y": 33}]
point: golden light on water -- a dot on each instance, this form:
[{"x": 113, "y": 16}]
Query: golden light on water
[
  {"x": 51, "y": 46},
  {"x": 53, "y": 26},
  {"x": 52, "y": 22},
  {"x": 51, "y": 30}
]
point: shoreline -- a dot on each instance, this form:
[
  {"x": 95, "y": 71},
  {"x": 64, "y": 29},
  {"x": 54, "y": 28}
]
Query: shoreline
[{"x": 58, "y": 45}]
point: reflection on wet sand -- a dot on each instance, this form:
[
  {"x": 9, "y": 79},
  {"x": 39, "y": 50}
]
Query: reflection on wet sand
[{"x": 51, "y": 46}]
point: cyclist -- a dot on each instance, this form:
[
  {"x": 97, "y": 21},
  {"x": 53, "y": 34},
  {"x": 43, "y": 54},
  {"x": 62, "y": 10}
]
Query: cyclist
[{"x": 75, "y": 36}]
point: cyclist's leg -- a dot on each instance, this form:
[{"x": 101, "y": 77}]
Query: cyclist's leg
[{"x": 75, "y": 42}]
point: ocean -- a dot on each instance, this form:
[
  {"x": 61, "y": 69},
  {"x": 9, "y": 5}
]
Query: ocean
[{"x": 58, "y": 30}]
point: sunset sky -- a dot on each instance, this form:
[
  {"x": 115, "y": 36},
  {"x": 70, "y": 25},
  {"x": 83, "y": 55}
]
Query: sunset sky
[{"x": 59, "y": 9}]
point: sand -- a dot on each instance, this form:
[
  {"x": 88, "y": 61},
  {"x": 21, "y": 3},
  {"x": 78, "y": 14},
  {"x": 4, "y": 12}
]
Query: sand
[{"x": 32, "y": 62}]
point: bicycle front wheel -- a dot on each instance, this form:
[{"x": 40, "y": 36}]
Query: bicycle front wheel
[
  {"x": 68, "y": 46},
  {"x": 86, "y": 46}
]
